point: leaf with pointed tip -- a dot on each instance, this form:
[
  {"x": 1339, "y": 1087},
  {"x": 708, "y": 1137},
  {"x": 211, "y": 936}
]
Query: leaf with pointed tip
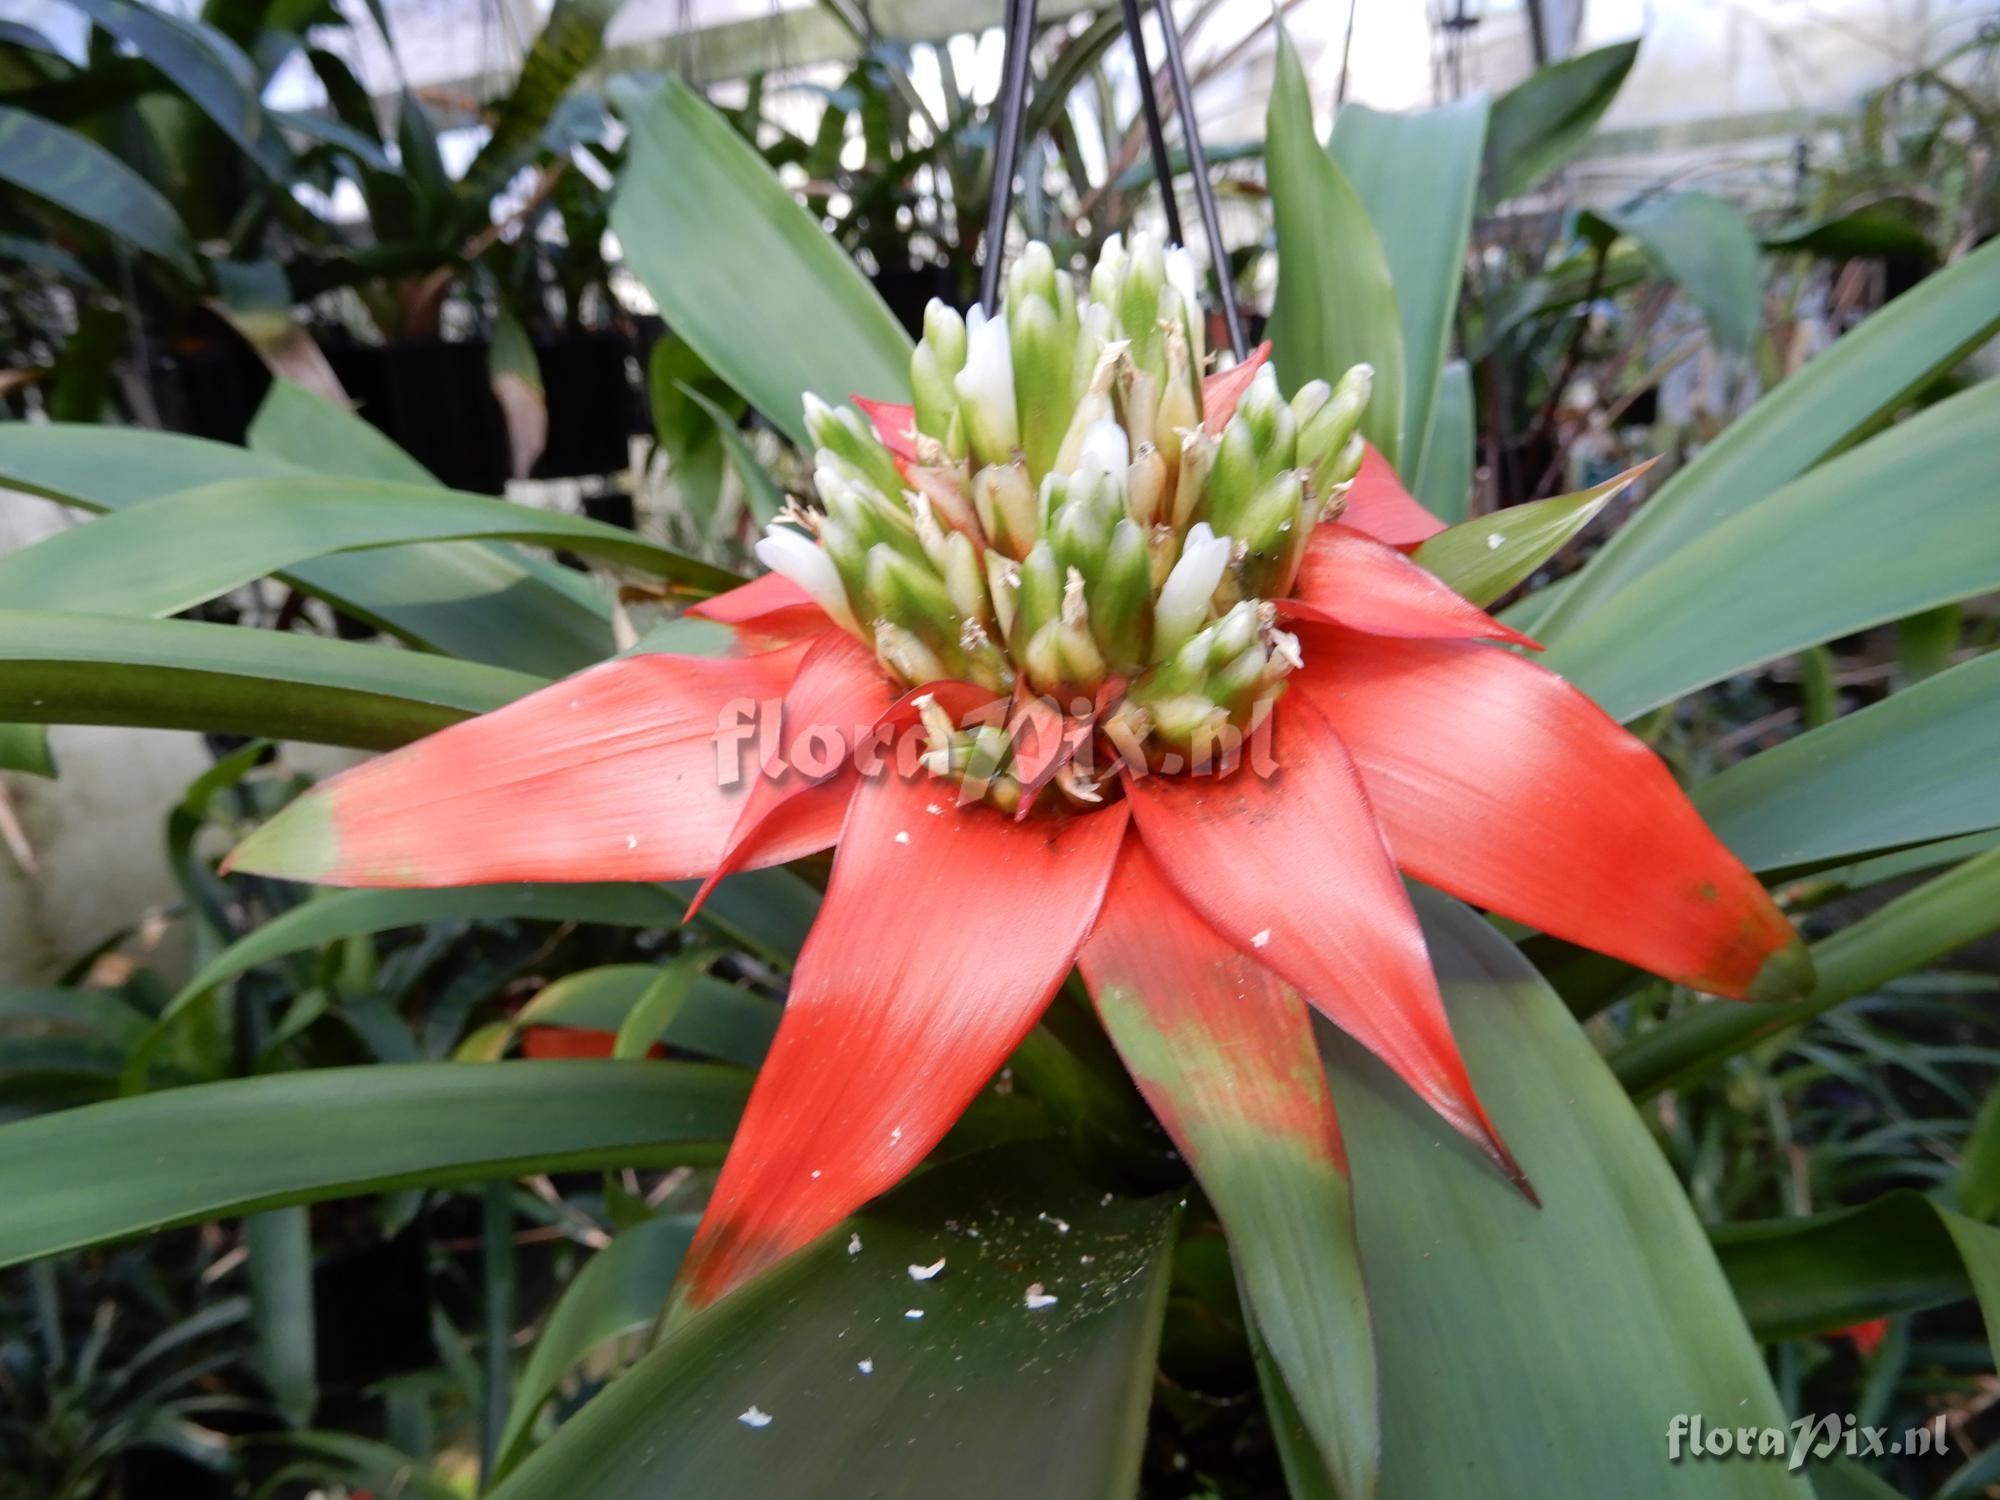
[
  {"x": 1705, "y": 247},
  {"x": 983, "y": 1396},
  {"x": 1810, "y": 416},
  {"x": 1539, "y": 123},
  {"x": 697, "y": 207},
  {"x": 215, "y": 1150},
  {"x": 1484, "y": 558},
  {"x": 1336, "y": 304},
  {"x": 1918, "y": 766},
  {"x": 1563, "y": 1341},
  {"x": 1823, "y": 557},
  {"x": 1423, "y": 234}
]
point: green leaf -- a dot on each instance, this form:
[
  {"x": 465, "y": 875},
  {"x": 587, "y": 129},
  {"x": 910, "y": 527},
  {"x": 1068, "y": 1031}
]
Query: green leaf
[
  {"x": 1917, "y": 927},
  {"x": 570, "y": 40},
  {"x": 1918, "y": 766},
  {"x": 1799, "y": 567},
  {"x": 1484, "y": 558},
  {"x": 619, "y": 1290},
  {"x": 1814, "y": 414},
  {"x": 78, "y": 175},
  {"x": 482, "y": 601},
  {"x": 1541, "y": 122},
  {"x": 25, "y": 748},
  {"x": 1561, "y": 1341},
  {"x": 182, "y": 674},
  {"x": 761, "y": 495},
  {"x": 281, "y": 1308},
  {"x": 981, "y": 1396},
  {"x": 1705, "y": 247},
  {"x": 1444, "y": 472},
  {"x": 1282, "y": 1195},
  {"x": 181, "y": 549},
  {"x": 768, "y": 908},
  {"x": 743, "y": 273},
  {"x": 1814, "y": 1274},
  {"x": 1335, "y": 304},
  {"x": 1890, "y": 228},
  {"x": 306, "y": 431},
  {"x": 1978, "y": 1186},
  {"x": 208, "y": 68},
  {"x": 182, "y": 1156},
  {"x": 1423, "y": 234}
]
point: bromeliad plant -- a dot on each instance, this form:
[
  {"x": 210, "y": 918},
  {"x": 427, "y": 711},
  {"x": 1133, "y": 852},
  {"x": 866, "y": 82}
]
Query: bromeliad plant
[{"x": 1083, "y": 575}]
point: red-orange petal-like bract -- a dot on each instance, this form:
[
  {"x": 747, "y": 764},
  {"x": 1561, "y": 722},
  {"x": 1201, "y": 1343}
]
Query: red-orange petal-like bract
[
  {"x": 767, "y": 612},
  {"x": 608, "y": 775},
  {"x": 1351, "y": 579},
  {"x": 1499, "y": 782},
  {"x": 1378, "y": 504},
  {"x": 833, "y": 702},
  {"x": 1292, "y": 869},
  {"x": 885, "y": 1041},
  {"x": 1221, "y": 391}
]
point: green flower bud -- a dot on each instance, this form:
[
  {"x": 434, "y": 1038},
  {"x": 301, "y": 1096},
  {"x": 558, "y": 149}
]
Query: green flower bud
[
  {"x": 1004, "y": 500},
  {"x": 985, "y": 389},
  {"x": 851, "y": 438},
  {"x": 935, "y": 397},
  {"x": 1308, "y": 399},
  {"x": 905, "y": 655},
  {"x": 910, "y": 595},
  {"x": 1038, "y": 601},
  {"x": 965, "y": 580},
  {"x": 1197, "y": 463},
  {"x": 1121, "y": 599},
  {"x": 1145, "y": 485},
  {"x": 1324, "y": 433},
  {"x": 1044, "y": 347},
  {"x": 1342, "y": 467},
  {"x": 1139, "y": 305},
  {"x": 1269, "y": 528},
  {"x": 1236, "y": 477},
  {"x": 944, "y": 332}
]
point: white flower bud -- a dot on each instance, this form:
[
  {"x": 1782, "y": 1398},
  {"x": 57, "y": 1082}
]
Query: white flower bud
[
  {"x": 1182, "y": 607},
  {"x": 799, "y": 558}
]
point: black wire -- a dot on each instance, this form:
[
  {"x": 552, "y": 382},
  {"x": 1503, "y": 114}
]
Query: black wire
[
  {"x": 1008, "y": 113},
  {"x": 1163, "y": 167},
  {"x": 1198, "y": 166}
]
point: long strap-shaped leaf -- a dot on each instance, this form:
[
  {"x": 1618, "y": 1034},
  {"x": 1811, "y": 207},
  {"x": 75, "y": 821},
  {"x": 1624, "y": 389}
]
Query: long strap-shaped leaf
[
  {"x": 1024, "y": 1366},
  {"x": 182, "y": 549},
  {"x": 1814, "y": 414},
  {"x": 75, "y": 173},
  {"x": 1915, "y": 767},
  {"x": 1563, "y": 1342},
  {"x": 85, "y": 1176},
  {"x": 60, "y": 668},
  {"x": 1902, "y": 523}
]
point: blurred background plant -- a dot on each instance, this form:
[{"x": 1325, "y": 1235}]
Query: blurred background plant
[{"x": 379, "y": 287}]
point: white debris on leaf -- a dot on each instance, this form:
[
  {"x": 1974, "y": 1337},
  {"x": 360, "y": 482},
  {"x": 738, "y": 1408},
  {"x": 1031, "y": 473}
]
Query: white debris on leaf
[
  {"x": 913, "y": 1312},
  {"x": 925, "y": 1273},
  {"x": 1037, "y": 1297},
  {"x": 854, "y": 1244},
  {"x": 1494, "y": 542},
  {"x": 755, "y": 1418},
  {"x": 1061, "y": 1226},
  {"x": 1260, "y": 939},
  {"x": 631, "y": 841},
  {"x": 902, "y": 835},
  {"x": 865, "y": 1366}
]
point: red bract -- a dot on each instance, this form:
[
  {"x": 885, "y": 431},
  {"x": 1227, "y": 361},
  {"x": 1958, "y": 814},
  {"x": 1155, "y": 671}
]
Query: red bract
[{"x": 1408, "y": 739}]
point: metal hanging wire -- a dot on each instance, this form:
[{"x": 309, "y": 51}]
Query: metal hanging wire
[{"x": 1011, "y": 108}]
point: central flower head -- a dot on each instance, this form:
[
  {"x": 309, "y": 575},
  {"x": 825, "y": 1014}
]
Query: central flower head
[{"x": 1066, "y": 512}]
